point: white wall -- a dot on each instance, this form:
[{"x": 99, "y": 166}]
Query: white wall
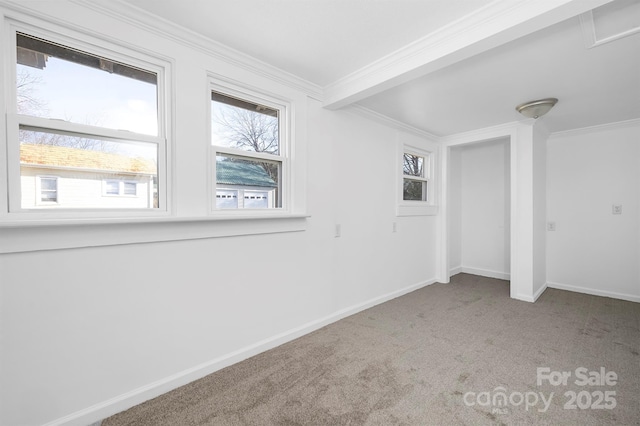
[
  {"x": 455, "y": 209},
  {"x": 592, "y": 250},
  {"x": 480, "y": 208},
  {"x": 90, "y": 331},
  {"x": 540, "y": 138}
]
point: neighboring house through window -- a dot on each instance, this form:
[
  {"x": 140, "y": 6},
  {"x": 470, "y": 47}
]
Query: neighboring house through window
[
  {"x": 88, "y": 178},
  {"x": 249, "y": 151},
  {"x": 243, "y": 185}
]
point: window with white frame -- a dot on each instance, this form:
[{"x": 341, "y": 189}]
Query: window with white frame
[
  {"x": 84, "y": 110},
  {"x": 415, "y": 178},
  {"x": 416, "y": 187},
  {"x": 119, "y": 187},
  {"x": 47, "y": 189},
  {"x": 248, "y": 140}
]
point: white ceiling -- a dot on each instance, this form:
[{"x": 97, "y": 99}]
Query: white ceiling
[{"x": 326, "y": 41}]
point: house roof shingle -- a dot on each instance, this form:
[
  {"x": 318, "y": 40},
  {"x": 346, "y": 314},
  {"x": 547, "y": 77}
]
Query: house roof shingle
[
  {"x": 64, "y": 157},
  {"x": 242, "y": 173}
]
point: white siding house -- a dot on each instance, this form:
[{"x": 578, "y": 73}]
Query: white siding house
[{"x": 62, "y": 177}]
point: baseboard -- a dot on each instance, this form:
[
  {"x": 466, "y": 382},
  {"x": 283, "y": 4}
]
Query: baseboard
[
  {"x": 455, "y": 271},
  {"x": 538, "y": 293},
  {"x": 594, "y": 292},
  {"x": 485, "y": 273},
  {"x": 137, "y": 396}
]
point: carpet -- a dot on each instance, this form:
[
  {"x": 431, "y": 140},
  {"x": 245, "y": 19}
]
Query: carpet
[{"x": 460, "y": 353}]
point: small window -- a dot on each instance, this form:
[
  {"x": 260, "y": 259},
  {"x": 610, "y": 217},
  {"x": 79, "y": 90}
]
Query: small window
[
  {"x": 414, "y": 187},
  {"x": 249, "y": 154},
  {"x": 130, "y": 188},
  {"x": 112, "y": 187},
  {"x": 120, "y": 188},
  {"x": 48, "y": 189}
]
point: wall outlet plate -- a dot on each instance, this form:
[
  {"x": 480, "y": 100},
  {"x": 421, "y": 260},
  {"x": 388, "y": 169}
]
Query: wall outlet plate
[{"x": 616, "y": 209}]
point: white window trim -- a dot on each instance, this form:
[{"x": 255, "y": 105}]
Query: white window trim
[
  {"x": 234, "y": 89},
  {"x": 416, "y": 207},
  {"x": 12, "y": 212}
]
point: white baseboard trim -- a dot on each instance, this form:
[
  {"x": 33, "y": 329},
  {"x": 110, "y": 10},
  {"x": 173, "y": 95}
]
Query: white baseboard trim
[
  {"x": 594, "y": 292},
  {"x": 455, "y": 271},
  {"x": 485, "y": 273},
  {"x": 137, "y": 396},
  {"x": 538, "y": 293}
]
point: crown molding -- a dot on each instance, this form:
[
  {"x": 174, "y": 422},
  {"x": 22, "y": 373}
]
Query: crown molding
[
  {"x": 499, "y": 131},
  {"x": 144, "y": 20},
  {"x": 391, "y": 122},
  {"x": 497, "y": 23},
  {"x": 635, "y": 122}
]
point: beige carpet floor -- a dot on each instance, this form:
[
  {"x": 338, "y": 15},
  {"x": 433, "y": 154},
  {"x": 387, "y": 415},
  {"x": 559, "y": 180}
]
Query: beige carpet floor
[{"x": 459, "y": 353}]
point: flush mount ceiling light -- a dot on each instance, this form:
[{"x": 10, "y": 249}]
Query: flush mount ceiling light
[{"x": 535, "y": 109}]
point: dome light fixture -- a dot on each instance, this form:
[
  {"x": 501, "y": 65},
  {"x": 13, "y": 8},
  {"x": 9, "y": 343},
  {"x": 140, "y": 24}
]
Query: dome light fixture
[{"x": 535, "y": 109}]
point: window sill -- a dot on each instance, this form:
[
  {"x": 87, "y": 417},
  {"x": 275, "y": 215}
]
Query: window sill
[
  {"x": 417, "y": 209},
  {"x": 36, "y": 235}
]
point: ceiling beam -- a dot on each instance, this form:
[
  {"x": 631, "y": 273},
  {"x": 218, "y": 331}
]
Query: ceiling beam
[{"x": 498, "y": 23}]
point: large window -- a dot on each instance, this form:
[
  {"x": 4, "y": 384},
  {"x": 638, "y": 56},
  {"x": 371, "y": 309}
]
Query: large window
[
  {"x": 249, "y": 149},
  {"x": 91, "y": 120}
]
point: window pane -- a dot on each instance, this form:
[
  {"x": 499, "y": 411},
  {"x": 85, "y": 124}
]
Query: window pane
[
  {"x": 226, "y": 199},
  {"x": 130, "y": 188},
  {"x": 243, "y": 125},
  {"x": 48, "y": 184},
  {"x": 112, "y": 187},
  {"x": 54, "y": 81},
  {"x": 251, "y": 177},
  {"x": 413, "y": 165},
  {"x": 256, "y": 200},
  {"x": 85, "y": 165},
  {"x": 414, "y": 190}
]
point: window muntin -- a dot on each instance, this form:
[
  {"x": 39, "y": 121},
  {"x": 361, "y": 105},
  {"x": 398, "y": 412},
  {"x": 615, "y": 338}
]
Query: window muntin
[
  {"x": 55, "y": 81},
  {"x": 249, "y": 153},
  {"x": 125, "y": 145},
  {"x": 415, "y": 180}
]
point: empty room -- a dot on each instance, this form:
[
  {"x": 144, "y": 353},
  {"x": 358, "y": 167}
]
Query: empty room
[{"x": 319, "y": 212}]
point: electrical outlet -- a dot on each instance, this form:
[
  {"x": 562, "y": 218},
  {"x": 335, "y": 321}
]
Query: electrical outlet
[
  {"x": 617, "y": 209},
  {"x": 551, "y": 226}
]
